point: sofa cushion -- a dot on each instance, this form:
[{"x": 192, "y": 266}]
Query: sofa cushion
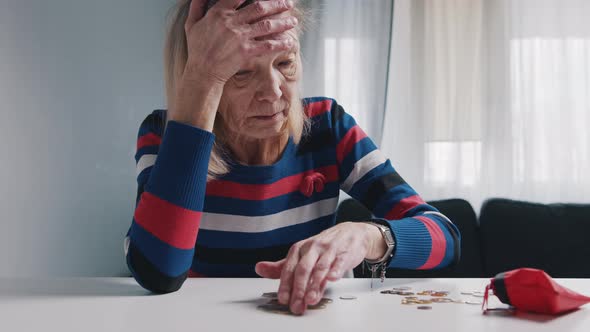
[{"x": 553, "y": 237}]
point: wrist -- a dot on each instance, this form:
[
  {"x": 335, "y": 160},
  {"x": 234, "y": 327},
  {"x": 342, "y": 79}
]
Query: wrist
[
  {"x": 377, "y": 247},
  {"x": 196, "y": 103},
  {"x": 199, "y": 74}
]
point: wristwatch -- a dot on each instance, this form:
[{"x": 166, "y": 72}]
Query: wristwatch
[{"x": 389, "y": 241}]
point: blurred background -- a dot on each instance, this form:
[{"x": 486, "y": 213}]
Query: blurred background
[{"x": 470, "y": 99}]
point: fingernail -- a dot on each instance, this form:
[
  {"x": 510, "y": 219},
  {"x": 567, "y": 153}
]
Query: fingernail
[
  {"x": 290, "y": 4},
  {"x": 294, "y": 20},
  {"x": 312, "y": 296}
]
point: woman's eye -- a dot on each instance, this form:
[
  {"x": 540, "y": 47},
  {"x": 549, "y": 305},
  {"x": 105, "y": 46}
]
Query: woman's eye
[
  {"x": 288, "y": 67},
  {"x": 242, "y": 73},
  {"x": 286, "y": 63}
]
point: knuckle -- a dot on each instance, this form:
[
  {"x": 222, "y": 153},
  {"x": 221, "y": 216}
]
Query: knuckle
[
  {"x": 289, "y": 269},
  {"x": 302, "y": 270},
  {"x": 259, "y": 7},
  {"x": 299, "y": 293},
  {"x": 244, "y": 48},
  {"x": 269, "y": 46},
  {"x": 265, "y": 25},
  {"x": 322, "y": 266},
  {"x": 295, "y": 247}
]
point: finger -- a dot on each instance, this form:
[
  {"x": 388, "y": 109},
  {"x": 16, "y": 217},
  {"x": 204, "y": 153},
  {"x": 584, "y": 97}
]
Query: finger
[
  {"x": 323, "y": 285},
  {"x": 321, "y": 269},
  {"x": 229, "y": 4},
  {"x": 271, "y": 26},
  {"x": 337, "y": 269},
  {"x": 287, "y": 274},
  {"x": 269, "y": 46},
  {"x": 301, "y": 279},
  {"x": 270, "y": 270},
  {"x": 260, "y": 9},
  {"x": 195, "y": 12}
]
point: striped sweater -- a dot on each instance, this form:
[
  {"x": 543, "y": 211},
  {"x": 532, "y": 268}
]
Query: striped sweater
[{"x": 255, "y": 213}]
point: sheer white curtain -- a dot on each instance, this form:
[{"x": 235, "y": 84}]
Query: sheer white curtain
[
  {"x": 491, "y": 98},
  {"x": 345, "y": 56}
]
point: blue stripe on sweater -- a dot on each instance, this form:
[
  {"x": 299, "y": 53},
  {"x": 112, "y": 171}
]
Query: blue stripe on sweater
[
  {"x": 179, "y": 175},
  {"x": 413, "y": 243},
  {"x": 169, "y": 260}
]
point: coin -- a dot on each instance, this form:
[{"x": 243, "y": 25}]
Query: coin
[
  {"x": 441, "y": 300},
  {"x": 275, "y": 308},
  {"x": 415, "y": 301},
  {"x": 473, "y": 303},
  {"x": 466, "y": 293},
  {"x": 270, "y": 295},
  {"x": 326, "y": 300},
  {"x": 440, "y": 294},
  {"x": 402, "y": 288},
  {"x": 348, "y": 297},
  {"x": 424, "y": 307},
  {"x": 317, "y": 306},
  {"x": 405, "y": 293}
]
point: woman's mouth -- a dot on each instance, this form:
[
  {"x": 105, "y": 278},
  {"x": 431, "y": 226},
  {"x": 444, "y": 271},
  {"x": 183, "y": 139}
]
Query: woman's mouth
[{"x": 270, "y": 117}]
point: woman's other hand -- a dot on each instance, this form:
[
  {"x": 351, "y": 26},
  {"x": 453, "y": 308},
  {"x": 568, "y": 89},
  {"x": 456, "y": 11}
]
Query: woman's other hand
[
  {"x": 220, "y": 41},
  {"x": 311, "y": 263}
]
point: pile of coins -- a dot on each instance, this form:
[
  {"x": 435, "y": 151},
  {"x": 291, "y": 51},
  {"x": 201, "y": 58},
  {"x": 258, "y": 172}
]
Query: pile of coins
[
  {"x": 274, "y": 306},
  {"x": 436, "y": 296}
]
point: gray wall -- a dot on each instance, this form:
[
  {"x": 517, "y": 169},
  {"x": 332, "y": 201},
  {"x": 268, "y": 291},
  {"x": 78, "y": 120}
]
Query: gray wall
[{"x": 76, "y": 79}]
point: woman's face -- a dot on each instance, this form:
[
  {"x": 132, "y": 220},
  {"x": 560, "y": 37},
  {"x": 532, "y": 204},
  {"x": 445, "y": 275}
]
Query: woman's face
[{"x": 257, "y": 100}]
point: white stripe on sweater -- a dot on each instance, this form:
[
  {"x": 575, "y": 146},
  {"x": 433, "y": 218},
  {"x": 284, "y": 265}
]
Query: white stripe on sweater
[
  {"x": 147, "y": 160},
  {"x": 362, "y": 167},
  {"x": 249, "y": 224}
]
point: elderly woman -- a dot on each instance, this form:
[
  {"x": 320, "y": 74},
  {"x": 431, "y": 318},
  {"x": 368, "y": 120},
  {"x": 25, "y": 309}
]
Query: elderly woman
[{"x": 242, "y": 160}]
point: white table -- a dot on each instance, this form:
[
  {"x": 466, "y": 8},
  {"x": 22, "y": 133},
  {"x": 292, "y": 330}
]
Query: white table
[{"x": 119, "y": 304}]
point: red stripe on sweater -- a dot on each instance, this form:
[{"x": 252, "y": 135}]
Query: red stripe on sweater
[
  {"x": 439, "y": 244},
  {"x": 148, "y": 139},
  {"x": 172, "y": 224},
  {"x": 258, "y": 192},
  {"x": 346, "y": 144},
  {"x": 318, "y": 108},
  {"x": 402, "y": 207}
]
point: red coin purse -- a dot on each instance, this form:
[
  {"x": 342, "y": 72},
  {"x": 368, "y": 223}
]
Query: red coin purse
[{"x": 533, "y": 290}]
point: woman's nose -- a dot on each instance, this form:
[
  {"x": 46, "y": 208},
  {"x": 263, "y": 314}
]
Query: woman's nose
[{"x": 269, "y": 89}]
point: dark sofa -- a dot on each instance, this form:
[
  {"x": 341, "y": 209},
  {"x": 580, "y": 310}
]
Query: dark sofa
[{"x": 508, "y": 234}]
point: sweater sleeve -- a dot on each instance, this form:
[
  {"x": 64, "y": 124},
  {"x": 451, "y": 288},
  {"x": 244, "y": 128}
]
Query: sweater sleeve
[
  {"x": 171, "y": 178},
  {"x": 425, "y": 238}
]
